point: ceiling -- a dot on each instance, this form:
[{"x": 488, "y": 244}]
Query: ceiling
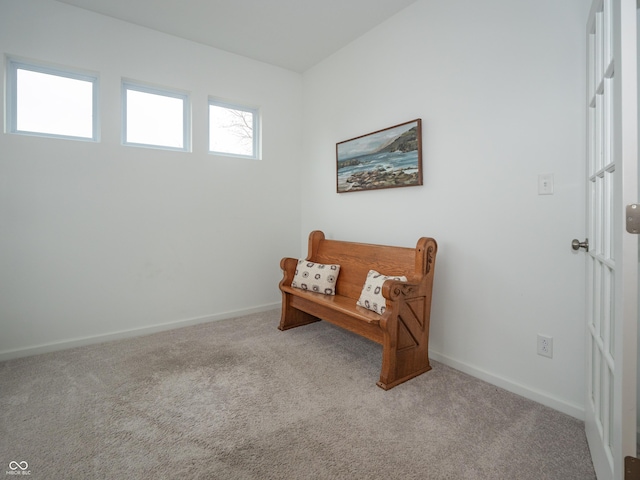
[{"x": 293, "y": 34}]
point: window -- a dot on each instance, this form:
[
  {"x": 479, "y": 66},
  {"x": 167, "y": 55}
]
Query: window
[
  {"x": 233, "y": 130},
  {"x": 155, "y": 117},
  {"x": 52, "y": 102}
]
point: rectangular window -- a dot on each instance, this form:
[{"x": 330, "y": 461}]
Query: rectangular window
[
  {"x": 52, "y": 102},
  {"x": 233, "y": 130},
  {"x": 155, "y": 117}
]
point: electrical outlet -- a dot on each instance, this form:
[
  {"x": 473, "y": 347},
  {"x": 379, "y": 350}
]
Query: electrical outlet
[{"x": 545, "y": 346}]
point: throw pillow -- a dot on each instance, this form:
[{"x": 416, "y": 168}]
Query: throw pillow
[
  {"x": 316, "y": 277},
  {"x": 371, "y": 296}
]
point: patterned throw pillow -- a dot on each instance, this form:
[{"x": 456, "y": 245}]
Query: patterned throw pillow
[
  {"x": 371, "y": 296},
  {"x": 316, "y": 277}
]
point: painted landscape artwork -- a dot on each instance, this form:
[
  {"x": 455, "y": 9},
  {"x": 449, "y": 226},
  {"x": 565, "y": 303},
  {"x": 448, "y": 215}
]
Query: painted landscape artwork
[{"x": 384, "y": 159}]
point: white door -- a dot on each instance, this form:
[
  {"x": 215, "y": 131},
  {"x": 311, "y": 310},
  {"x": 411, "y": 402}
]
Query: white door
[{"x": 612, "y": 259}]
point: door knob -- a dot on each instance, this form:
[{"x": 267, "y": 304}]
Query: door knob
[{"x": 577, "y": 244}]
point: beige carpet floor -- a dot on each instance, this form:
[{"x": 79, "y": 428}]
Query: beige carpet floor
[{"x": 238, "y": 399}]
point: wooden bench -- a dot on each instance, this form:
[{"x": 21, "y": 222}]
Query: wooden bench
[{"x": 403, "y": 328}]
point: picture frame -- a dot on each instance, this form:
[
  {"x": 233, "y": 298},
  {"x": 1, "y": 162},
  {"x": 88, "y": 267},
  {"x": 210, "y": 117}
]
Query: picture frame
[{"x": 387, "y": 158}]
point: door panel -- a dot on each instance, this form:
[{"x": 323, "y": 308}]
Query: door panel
[{"x": 612, "y": 269}]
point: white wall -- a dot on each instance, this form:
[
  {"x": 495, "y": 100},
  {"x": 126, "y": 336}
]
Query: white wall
[
  {"x": 499, "y": 86},
  {"x": 97, "y": 238}
]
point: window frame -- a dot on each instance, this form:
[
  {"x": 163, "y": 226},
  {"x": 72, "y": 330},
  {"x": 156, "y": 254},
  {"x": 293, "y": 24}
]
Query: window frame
[
  {"x": 13, "y": 64},
  {"x": 142, "y": 87},
  {"x": 256, "y": 129}
]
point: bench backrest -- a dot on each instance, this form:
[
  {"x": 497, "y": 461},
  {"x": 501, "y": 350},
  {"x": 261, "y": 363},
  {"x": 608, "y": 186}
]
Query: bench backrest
[{"x": 356, "y": 259}]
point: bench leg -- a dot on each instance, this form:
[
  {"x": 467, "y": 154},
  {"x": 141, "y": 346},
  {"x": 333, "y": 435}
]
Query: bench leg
[
  {"x": 292, "y": 317},
  {"x": 405, "y": 347},
  {"x": 387, "y": 385}
]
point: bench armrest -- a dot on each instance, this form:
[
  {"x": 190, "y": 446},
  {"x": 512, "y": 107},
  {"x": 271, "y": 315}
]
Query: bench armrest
[
  {"x": 288, "y": 266},
  {"x": 394, "y": 290}
]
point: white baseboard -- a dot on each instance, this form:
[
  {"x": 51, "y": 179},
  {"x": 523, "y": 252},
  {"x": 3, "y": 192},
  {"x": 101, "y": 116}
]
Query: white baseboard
[
  {"x": 576, "y": 411},
  {"x": 135, "y": 332}
]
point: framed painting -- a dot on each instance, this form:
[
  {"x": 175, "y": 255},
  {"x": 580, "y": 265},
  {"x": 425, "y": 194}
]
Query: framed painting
[{"x": 387, "y": 158}]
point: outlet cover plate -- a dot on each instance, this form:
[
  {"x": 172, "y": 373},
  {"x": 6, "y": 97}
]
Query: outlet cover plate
[{"x": 545, "y": 346}]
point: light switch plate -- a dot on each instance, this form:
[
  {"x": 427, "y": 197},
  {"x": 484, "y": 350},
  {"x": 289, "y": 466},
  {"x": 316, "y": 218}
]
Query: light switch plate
[{"x": 545, "y": 184}]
